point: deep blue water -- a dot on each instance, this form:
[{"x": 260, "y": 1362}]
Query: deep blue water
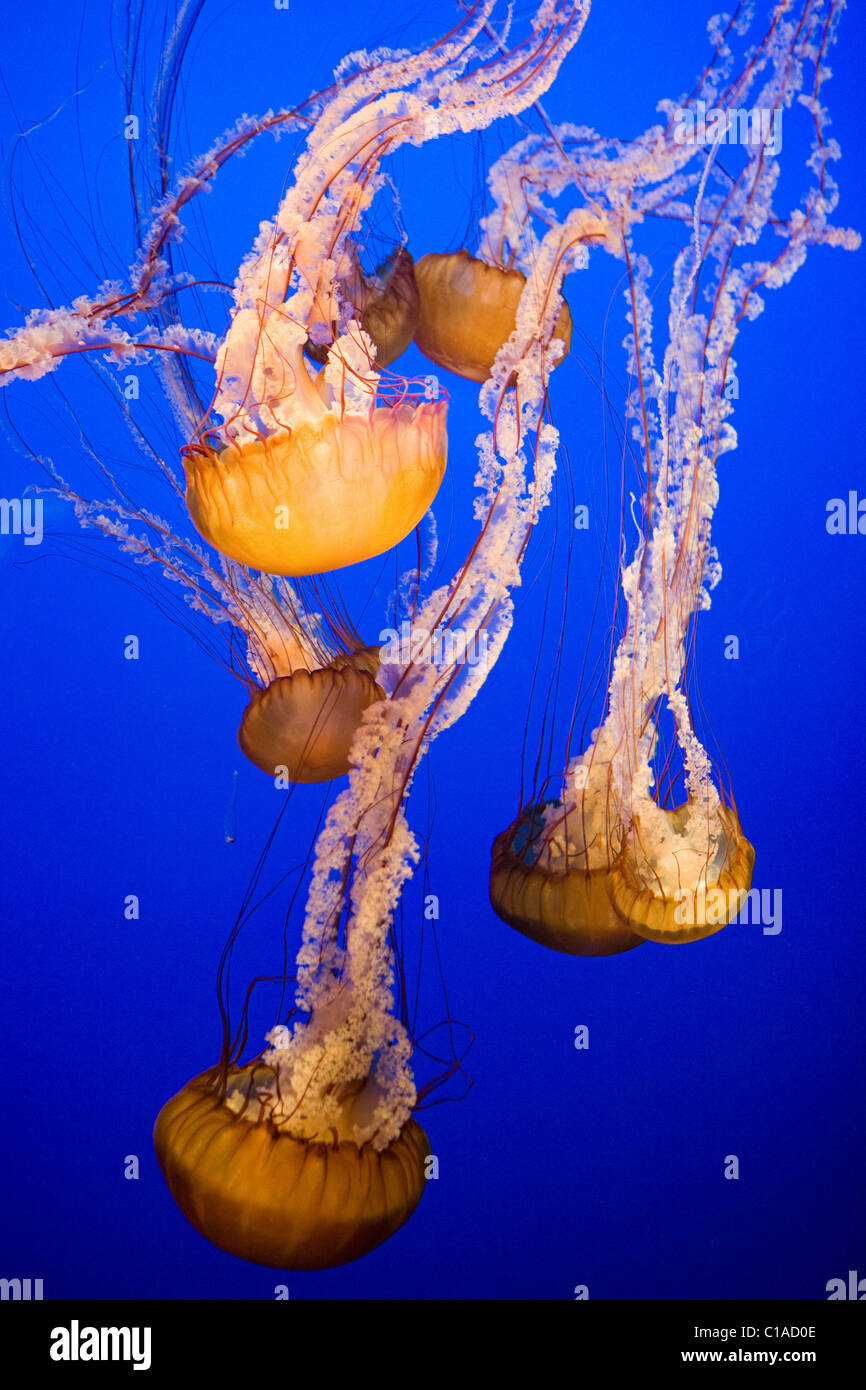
[{"x": 561, "y": 1167}]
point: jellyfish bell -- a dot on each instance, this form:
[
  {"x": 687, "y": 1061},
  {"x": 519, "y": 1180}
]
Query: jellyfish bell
[
  {"x": 386, "y": 305},
  {"x": 467, "y": 310},
  {"x": 390, "y": 315},
  {"x": 686, "y": 884},
  {"x": 332, "y": 488},
  {"x": 302, "y": 724},
  {"x": 310, "y": 682},
  {"x": 266, "y": 1195},
  {"x": 545, "y": 887}
]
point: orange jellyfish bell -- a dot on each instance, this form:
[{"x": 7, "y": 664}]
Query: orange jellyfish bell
[
  {"x": 264, "y": 1195},
  {"x": 303, "y": 724},
  {"x": 643, "y": 892},
  {"x": 332, "y": 490},
  {"x": 555, "y": 900},
  {"x": 390, "y": 315},
  {"x": 386, "y": 304},
  {"x": 467, "y": 310}
]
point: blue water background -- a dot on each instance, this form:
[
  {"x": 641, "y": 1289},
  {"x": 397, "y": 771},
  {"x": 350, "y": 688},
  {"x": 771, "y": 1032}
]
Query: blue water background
[{"x": 561, "y": 1167}]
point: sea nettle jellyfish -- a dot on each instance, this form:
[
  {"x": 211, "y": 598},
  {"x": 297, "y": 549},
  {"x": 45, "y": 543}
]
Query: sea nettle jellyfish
[
  {"x": 307, "y": 473},
  {"x": 308, "y": 675},
  {"x": 467, "y": 309},
  {"x": 613, "y": 861},
  {"x": 302, "y": 723},
  {"x": 386, "y": 304}
]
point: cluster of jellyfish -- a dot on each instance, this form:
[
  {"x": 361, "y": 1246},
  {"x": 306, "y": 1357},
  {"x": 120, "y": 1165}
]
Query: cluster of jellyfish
[{"x": 312, "y": 455}]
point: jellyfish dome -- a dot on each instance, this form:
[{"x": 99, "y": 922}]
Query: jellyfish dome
[
  {"x": 334, "y": 489},
  {"x": 302, "y": 724},
  {"x": 263, "y": 1194},
  {"x": 541, "y": 885},
  {"x": 387, "y": 304},
  {"x": 666, "y": 898},
  {"x": 467, "y": 309}
]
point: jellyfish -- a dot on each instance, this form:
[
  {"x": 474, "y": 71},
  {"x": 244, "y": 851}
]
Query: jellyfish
[
  {"x": 311, "y": 680},
  {"x": 243, "y": 1179},
  {"x": 467, "y": 309},
  {"x": 387, "y": 305},
  {"x": 616, "y": 859},
  {"x": 307, "y": 474},
  {"x": 331, "y": 490},
  {"x": 305, "y": 721}
]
